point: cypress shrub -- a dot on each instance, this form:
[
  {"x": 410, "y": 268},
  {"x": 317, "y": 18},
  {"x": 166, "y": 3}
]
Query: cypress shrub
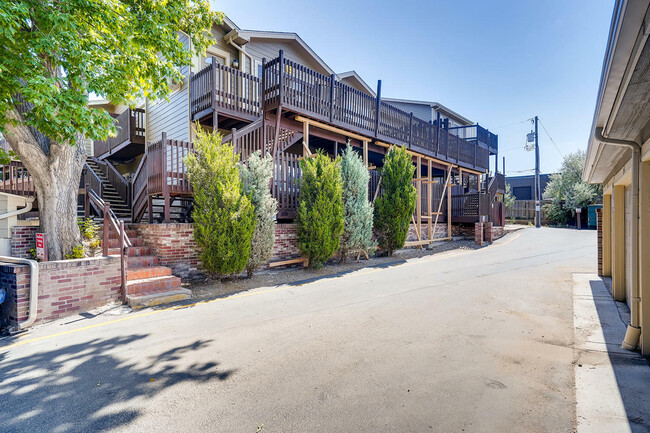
[
  {"x": 357, "y": 216},
  {"x": 224, "y": 217},
  {"x": 393, "y": 210},
  {"x": 320, "y": 208},
  {"x": 257, "y": 177}
]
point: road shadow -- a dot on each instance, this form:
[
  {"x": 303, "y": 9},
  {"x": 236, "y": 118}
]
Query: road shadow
[
  {"x": 85, "y": 388},
  {"x": 632, "y": 371}
]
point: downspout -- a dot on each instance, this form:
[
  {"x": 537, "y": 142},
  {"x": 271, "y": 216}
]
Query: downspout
[
  {"x": 633, "y": 332},
  {"x": 27, "y": 208},
  {"x": 33, "y": 288},
  {"x": 241, "y": 50}
]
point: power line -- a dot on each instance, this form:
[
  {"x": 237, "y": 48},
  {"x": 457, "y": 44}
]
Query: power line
[
  {"x": 510, "y": 124},
  {"x": 552, "y": 141}
]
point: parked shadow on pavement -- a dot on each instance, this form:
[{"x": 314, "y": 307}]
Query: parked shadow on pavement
[
  {"x": 631, "y": 370},
  {"x": 85, "y": 388}
]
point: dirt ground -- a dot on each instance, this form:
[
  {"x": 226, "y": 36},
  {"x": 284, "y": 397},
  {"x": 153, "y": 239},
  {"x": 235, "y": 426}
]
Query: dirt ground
[{"x": 205, "y": 287}]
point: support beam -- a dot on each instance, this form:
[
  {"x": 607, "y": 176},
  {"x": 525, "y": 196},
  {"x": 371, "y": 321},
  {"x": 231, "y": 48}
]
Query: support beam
[
  {"x": 448, "y": 187},
  {"x": 305, "y": 140},
  {"x": 618, "y": 244},
  {"x": 365, "y": 153},
  {"x": 327, "y": 127},
  {"x": 644, "y": 256},
  {"x": 418, "y": 188},
  {"x": 429, "y": 200}
]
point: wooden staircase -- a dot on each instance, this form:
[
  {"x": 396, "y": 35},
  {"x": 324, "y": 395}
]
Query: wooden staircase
[
  {"x": 148, "y": 282},
  {"x": 109, "y": 193}
]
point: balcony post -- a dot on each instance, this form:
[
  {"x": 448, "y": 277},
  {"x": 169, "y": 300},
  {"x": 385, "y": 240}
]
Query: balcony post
[
  {"x": 280, "y": 78},
  {"x": 213, "y": 78},
  {"x": 378, "y": 109},
  {"x": 411, "y": 129},
  {"x": 263, "y": 84},
  {"x": 165, "y": 186},
  {"x": 331, "y": 97}
]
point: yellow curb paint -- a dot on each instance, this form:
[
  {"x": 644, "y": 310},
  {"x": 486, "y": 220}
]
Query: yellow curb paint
[{"x": 240, "y": 295}]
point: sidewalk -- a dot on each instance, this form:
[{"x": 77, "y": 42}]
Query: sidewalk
[{"x": 612, "y": 384}]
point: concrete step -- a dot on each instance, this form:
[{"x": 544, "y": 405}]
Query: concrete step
[
  {"x": 153, "y": 299},
  {"x": 141, "y": 261},
  {"x": 144, "y": 272},
  {"x": 153, "y": 285},
  {"x": 133, "y": 251}
]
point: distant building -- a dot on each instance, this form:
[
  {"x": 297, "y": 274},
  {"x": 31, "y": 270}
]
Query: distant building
[{"x": 523, "y": 187}]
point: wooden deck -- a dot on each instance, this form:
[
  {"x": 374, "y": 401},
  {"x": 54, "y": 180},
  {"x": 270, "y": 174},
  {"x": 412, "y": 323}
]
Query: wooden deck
[{"x": 130, "y": 130}]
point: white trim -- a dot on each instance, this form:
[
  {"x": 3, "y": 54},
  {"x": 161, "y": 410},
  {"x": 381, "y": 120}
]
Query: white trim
[
  {"x": 356, "y": 76},
  {"x": 435, "y": 106}
]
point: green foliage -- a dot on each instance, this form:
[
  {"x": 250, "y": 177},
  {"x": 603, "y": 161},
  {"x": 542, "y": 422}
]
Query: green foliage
[
  {"x": 567, "y": 191},
  {"x": 257, "y": 177},
  {"x": 358, "y": 212},
  {"x": 76, "y": 253},
  {"x": 320, "y": 208},
  {"x": 224, "y": 218},
  {"x": 508, "y": 198},
  {"x": 88, "y": 228},
  {"x": 393, "y": 210},
  {"x": 55, "y": 54}
]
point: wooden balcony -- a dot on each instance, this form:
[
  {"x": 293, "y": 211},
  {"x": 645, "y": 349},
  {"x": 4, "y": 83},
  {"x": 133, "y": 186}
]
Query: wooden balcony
[
  {"x": 14, "y": 179},
  {"x": 303, "y": 91},
  {"x": 130, "y": 138},
  {"x": 222, "y": 90},
  {"x": 477, "y": 134}
]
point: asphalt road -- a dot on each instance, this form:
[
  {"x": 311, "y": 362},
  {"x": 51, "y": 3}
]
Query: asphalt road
[{"x": 474, "y": 341}]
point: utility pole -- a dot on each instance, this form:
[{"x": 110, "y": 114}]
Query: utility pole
[{"x": 538, "y": 192}]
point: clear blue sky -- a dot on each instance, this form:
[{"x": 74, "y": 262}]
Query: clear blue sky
[{"x": 495, "y": 62}]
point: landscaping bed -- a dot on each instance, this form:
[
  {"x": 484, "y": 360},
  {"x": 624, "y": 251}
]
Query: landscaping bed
[{"x": 205, "y": 287}]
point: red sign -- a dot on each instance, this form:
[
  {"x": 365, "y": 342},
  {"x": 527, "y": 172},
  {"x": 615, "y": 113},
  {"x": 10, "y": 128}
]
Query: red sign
[{"x": 40, "y": 246}]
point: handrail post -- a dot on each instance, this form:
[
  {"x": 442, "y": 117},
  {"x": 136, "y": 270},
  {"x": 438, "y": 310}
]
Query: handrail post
[
  {"x": 124, "y": 250},
  {"x": 378, "y": 108},
  {"x": 263, "y": 85},
  {"x": 87, "y": 202},
  {"x": 105, "y": 234},
  {"x": 332, "y": 82}
]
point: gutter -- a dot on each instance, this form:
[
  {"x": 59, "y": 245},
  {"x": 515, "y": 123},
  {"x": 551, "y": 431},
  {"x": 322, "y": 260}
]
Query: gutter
[
  {"x": 26, "y": 209},
  {"x": 33, "y": 288},
  {"x": 633, "y": 332},
  {"x": 241, "y": 50}
]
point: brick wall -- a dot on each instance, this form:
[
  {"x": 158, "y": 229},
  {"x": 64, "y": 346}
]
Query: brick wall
[
  {"x": 23, "y": 240},
  {"x": 478, "y": 233},
  {"x": 286, "y": 242},
  {"x": 64, "y": 288},
  {"x": 173, "y": 244},
  {"x": 599, "y": 228}
]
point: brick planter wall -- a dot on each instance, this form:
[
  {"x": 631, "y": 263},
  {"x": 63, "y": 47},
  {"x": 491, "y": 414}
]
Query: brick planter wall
[
  {"x": 173, "y": 244},
  {"x": 478, "y": 233},
  {"x": 64, "y": 288},
  {"x": 23, "y": 240},
  {"x": 286, "y": 242}
]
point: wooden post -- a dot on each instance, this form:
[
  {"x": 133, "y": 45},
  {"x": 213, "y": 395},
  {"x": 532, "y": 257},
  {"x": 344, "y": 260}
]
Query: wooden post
[
  {"x": 336, "y": 149},
  {"x": 165, "y": 186},
  {"x": 411, "y": 129},
  {"x": 106, "y": 228},
  {"x": 365, "y": 153},
  {"x": 378, "y": 108},
  {"x": 280, "y": 78},
  {"x": 124, "y": 251},
  {"x": 332, "y": 84},
  {"x": 87, "y": 202},
  {"x": 429, "y": 199},
  {"x": 448, "y": 203},
  {"x": 305, "y": 139},
  {"x": 418, "y": 188},
  {"x": 213, "y": 75}
]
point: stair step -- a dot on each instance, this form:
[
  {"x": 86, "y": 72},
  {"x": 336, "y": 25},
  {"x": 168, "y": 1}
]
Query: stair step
[
  {"x": 133, "y": 251},
  {"x": 144, "y": 272},
  {"x": 115, "y": 242},
  {"x": 141, "y": 261},
  {"x": 153, "y": 285},
  {"x": 153, "y": 299},
  {"x": 130, "y": 233}
]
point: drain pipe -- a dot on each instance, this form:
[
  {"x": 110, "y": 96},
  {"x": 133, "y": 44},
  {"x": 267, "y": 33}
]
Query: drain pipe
[
  {"x": 241, "y": 50},
  {"x": 33, "y": 288},
  {"x": 633, "y": 332}
]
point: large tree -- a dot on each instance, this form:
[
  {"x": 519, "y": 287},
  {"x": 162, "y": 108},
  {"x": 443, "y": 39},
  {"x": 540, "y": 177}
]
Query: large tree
[{"x": 54, "y": 54}]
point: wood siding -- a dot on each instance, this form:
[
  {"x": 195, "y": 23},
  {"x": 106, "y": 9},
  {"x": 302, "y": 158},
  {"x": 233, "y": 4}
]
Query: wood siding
[
  {"x": 419, "y": 110},
  {"x": 171, "y": 117},
  {"x": 269, "y": 49}
]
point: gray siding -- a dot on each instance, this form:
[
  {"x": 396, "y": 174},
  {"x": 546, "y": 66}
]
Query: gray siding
[
  {"x": 170, "y": 116},
  {"x": 352, "y": 82},
  {"x": 269, "y": 49},
  {"x": 419, "y": 110}
]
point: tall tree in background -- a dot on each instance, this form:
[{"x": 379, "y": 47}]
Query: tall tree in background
[
  {"x": 357, "y": 215},
  {"x": 395, "y": 207},
  {"x": 567, "y": 191},
  {"x": 54, "y": 54}
]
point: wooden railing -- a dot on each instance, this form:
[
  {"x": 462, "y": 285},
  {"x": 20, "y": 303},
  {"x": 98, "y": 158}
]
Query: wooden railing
[
  {"x": 115, "y": 178},
  {"x": 285, "y": 185},
  {"x": 476, "y": 133},
  {"x": 111, "y": 221},
  {"x": 15, "y": 179},
  {"x": 220, "y": 86},
  {"x": 297, "y": 88},
  {"x": 139, "y": 189},
  {"x": 130, "y": 125}
]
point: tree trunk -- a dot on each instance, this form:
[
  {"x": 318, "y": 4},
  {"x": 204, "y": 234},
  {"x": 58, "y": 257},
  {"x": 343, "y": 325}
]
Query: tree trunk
[{"x": 56, "y": 172}]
